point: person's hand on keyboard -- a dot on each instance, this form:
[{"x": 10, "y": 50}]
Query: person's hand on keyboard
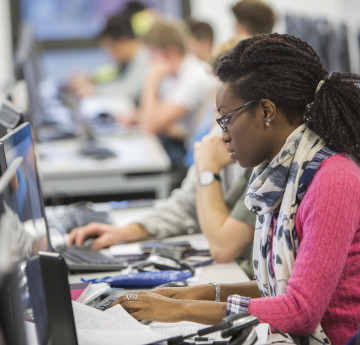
[{"x": 107, "y": 235}]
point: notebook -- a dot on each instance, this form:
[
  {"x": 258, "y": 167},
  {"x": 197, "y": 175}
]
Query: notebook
[{"x": 19, "y": 143}]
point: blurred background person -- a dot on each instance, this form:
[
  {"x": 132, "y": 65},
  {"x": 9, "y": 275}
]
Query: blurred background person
[
  {"x": 253, "y": 17},
  {"x": 176, "y": 86},
  {"x": 201, "y": 39},
  {"x": 120, "y": 40}
]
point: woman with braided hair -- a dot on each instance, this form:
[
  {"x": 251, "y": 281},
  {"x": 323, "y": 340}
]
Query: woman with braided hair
[{"x": 283, "y": 114}]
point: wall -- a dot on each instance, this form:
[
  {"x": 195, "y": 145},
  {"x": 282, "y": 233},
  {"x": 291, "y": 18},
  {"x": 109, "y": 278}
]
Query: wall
[
  {"x": 218, "y": 14},
  {"x": 5, "y": 43}
]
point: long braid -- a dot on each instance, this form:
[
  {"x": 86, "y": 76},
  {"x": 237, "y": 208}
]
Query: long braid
[
  {"x": 287, "y": 71},
  {"x": 339, "y": 97}
]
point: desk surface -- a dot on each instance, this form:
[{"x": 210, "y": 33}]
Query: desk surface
[
  {"x": 141, "y": 165},
  {"x": 223, "y": 273}
]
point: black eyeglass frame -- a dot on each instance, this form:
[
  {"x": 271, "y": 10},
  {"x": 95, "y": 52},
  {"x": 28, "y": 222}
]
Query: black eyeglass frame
[{"x": 224, "y": 119}]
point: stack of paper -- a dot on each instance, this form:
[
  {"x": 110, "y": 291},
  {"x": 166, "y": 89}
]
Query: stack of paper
[
  {"x": 76, "y": 289},
  {"x": 110, "y": 327},
  {"x": 92, "y": 291}
]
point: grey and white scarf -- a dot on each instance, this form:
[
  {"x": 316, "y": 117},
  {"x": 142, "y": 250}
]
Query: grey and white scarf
[{"x": 273, "y": 191}]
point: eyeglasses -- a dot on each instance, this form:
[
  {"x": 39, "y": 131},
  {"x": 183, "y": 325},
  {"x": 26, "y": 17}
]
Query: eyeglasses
[{"x": 224, "y": 119}]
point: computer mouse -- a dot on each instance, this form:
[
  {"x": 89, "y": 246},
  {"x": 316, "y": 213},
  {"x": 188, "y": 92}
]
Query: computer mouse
[
  {"x": 105, "y": 117},
  {"x": 89, "y": 241},
  {"x": 97, "y": 152}
]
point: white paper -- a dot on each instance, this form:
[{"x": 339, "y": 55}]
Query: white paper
[
  {"x": 182, "y": 328},
  {"x": 30, "y": 331},
  {"x": 92, "y": 291},
  {"x": 114, "y": 318},
  {"x": 109, "y": 337},
  {"x": 113, "y": 326},
  {"x": 84, "y": 293},
  {"x": 262, "y": 332},
  {"x": 126, "y": 249},
  {"x": 83, "y": 313},
  {"x": 199, "y": 243},
  {"x": 175, "y": 329}
]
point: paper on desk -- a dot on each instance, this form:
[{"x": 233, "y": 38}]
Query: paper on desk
[
  {"x": 96, "y": 337},
  {"x": 125, "y": 249},
  {"x": 93, "y": 291},
  {"x": 111, "y": 326},
  {"x": 181, "y": 328},
  {"x": 262, "y": 332},
  {"x": 83, "y": 313},
  {"x": 199, "y": 243}
]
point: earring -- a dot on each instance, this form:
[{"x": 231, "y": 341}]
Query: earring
[{"x": 267, "y": 123}]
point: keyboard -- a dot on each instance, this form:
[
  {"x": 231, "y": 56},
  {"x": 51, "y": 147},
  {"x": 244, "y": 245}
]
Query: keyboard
[
  {"x": 111, "y": 298},
  {"x": 87, "y": 259},
  {"x": 108, "y": 301}
]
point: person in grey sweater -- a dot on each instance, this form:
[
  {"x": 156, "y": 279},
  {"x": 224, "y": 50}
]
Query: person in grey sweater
[{"x": 210, "y": 199}]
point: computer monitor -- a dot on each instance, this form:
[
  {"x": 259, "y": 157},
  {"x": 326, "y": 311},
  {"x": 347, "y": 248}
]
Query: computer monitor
[
  {"x": 51, "y": 300},
  {"x": 10, "y": 117},
  {"x": 26, "y": 239},
  {"x": 49, "y": 118},
  {"x": 19, "y": 143},
  {"x": 27, "y": 67},
  {"x": 15, "y": 244},
  {"x": 46, "y": 272}
]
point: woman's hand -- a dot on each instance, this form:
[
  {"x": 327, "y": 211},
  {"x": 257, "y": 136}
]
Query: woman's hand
[
  {"x": 152, "y": 306},
  {"x": 146, "y": 305}
]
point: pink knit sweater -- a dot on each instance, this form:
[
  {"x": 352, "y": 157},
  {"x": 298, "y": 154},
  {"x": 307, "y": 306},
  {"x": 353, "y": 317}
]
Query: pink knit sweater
[{"x": 325, "y": 283}]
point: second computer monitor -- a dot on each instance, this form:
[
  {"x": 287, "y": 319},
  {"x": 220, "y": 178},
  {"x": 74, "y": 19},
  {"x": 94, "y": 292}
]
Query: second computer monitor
[{"x": 18, "y": 143}]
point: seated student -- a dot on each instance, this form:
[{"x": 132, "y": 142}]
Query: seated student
[
  {"x": 253, "y": 17},
  {"x": 206, "y": 114},
  {"x": 282, "y": 113},
  {"x": 176, "y": 86},
  {"x": 200, "y": 39},
  {"x": 119, "y": 40}
]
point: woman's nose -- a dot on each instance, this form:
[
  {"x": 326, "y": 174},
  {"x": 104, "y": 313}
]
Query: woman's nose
[{"x": 225, "y": 137}]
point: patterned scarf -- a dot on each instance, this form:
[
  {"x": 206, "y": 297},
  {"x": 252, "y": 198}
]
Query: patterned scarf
[{"x": 273, "y": 192}]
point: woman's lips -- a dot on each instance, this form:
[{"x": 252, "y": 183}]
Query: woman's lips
[
  {"x": 229, "y": 149},
  {"x": 232, "y": 153}
]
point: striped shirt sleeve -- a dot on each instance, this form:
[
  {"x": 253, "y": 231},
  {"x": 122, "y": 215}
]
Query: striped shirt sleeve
[{"x": 237, "y": 304}]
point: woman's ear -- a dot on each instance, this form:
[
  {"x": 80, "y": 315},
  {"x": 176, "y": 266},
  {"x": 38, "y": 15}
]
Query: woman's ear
[{"x": 268, "y": 109}]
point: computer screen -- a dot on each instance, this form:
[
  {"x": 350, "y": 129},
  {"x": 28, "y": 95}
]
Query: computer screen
[
  {"x": 10, "y": 117},
  {"x": 27, "y": 67},
  {"x": 19, "y": 143},
  {"x": 25, "y": 238},
  {"x": 18, "y": 242}
]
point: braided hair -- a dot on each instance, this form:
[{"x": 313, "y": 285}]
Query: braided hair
[{"x": 286, "y": 70}]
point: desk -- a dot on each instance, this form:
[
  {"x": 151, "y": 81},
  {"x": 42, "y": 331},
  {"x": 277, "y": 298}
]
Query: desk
[
  {"x": 223, "y": 273},
  {"x": 141, "y": 165}
]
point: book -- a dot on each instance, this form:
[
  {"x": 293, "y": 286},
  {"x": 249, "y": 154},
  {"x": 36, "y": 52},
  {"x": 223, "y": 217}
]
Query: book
[{"x": 76, "y": 289}]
